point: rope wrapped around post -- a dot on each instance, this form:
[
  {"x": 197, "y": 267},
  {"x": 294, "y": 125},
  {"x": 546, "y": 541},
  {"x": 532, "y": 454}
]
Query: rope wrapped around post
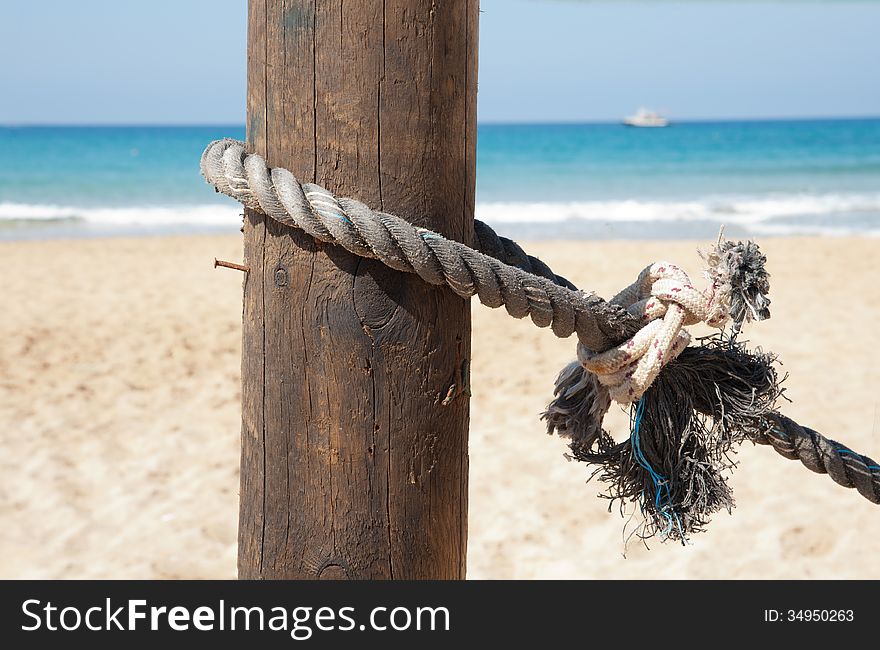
[
  {"x": 527, "y": 288},
  {"x": 686, "y": 418}
]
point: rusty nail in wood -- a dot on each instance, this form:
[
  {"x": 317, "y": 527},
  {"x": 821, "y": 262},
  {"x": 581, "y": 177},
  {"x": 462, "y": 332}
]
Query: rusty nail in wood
[{"x": 230, "y": 265}]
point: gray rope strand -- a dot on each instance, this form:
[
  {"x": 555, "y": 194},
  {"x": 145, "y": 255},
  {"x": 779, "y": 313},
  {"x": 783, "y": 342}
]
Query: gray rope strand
[
  {"x": 824, "y": 456},
  {"x": 502, "y": 275},
  {"x": 508, "y": 251}
]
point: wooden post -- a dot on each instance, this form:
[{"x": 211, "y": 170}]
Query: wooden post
[{"x": 354, "y": 377}]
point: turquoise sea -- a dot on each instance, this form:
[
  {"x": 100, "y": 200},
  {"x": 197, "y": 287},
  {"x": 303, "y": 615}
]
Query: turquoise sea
[{"x": 758, "y": 178}]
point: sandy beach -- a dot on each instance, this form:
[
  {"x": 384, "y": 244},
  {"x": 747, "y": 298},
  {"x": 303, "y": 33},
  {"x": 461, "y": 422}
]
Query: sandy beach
[{"x": 119, "y": 419}]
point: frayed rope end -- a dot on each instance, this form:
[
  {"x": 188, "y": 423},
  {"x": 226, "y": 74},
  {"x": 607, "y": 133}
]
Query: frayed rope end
[
  {"x": 740, "y": 280},
  {"x": 685, "y": 425},
  {"x": 683, "y": 432}
]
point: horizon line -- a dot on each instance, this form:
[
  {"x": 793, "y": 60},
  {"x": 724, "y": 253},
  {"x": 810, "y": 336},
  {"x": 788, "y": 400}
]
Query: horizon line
[{"x": 502, "y": 122}]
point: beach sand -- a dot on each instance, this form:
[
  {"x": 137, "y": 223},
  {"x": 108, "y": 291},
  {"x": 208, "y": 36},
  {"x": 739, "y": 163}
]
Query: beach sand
[{"x": 119, "y": 420}]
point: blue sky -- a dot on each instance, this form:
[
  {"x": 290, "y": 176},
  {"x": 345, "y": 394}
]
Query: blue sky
[{"x": 183, "y": 61}]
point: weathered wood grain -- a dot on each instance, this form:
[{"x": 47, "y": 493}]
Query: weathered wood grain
[{"x": 352, "y": 466}]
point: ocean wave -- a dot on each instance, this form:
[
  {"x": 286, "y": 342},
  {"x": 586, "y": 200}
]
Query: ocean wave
[
  {"x": 807, "y": 214},
  {"x": 204, "y": 215},
  {"x": 735, "y": 210}
]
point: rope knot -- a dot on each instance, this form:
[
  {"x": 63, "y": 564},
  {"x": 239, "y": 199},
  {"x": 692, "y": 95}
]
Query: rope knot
[{"x": 665, "y": 300}]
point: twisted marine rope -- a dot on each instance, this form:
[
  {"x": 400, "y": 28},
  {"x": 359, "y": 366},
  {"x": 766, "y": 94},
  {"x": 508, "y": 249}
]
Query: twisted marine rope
[
  {"x": 551, "y": 301},
  {"x": 823, "y": 456},
  {"x": 502, "y": 274}
]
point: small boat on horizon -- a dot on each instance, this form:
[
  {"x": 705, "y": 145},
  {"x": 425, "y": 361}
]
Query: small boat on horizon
[{"x": 645, "y": 117}]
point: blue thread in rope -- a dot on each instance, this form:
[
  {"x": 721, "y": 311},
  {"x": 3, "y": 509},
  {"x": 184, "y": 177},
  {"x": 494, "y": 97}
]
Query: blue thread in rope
[
  {"x": 661, "y": 484},
  {"x": 335, "y": 214},
  {"x": 843, "y": 450}
]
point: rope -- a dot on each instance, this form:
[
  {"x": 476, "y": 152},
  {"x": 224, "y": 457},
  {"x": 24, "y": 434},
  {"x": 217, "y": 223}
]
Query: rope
[
  {"x": 525, "y": 286},
  {"x": 664, "y": 299},
  {"x": 615, "y": 337},
  {"x": 823, "y": 456}
]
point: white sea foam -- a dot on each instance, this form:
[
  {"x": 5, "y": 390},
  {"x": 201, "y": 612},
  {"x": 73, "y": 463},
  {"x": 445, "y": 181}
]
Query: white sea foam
[
  {"x": 768, "y": 215},
  {"x": 160, "y": 216},
  {"x": 745, "y": 211}
]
